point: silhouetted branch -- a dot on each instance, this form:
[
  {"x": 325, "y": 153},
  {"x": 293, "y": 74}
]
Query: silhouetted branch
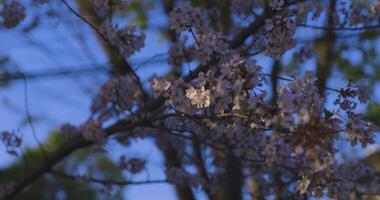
[
  {"x": 105, "y": 181},
  {"x": 326, "y": 28}
]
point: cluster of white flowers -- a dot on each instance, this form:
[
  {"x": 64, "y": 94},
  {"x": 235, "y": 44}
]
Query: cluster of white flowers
[
  {"x": 207, "y": 45},
  {"x": 92, "y": 131},
  {"x": 374, "y": 8},
  {"x": 237, "y": 76},
  {"x": 115, "y": 97},
  {"x": 160, "y": 85},
  {"x": 226, "y": 107},
  {"x": 126, "y": 38},
  {"x": 341, "y": 181},
  {"x": 279, "y": 30},
  {"x": 210, "y": 44},
  {"x": 222, "y": 107},
  {"x": 356, "y": 14},
  {"x": 134, "y": 165},
  {"x": 363, "y": 90},
  {"x": 299, "y": 101},
  {"x": 305, "y": 53},
  {"x": 303, "y": 184},
  {"x": 178, "y": 53},
  {"x": 299, "y": 128},
  {"x": 199, "y": 97},
  {"x": 353, "y": 177},
  {"x": 277, "y": 5},
  {"x": 176, "y": 96},
  {"x": 227, "y": 87},
  {"x": 68, "y": 131},
  {"x": 305, "y": 9},
  {"x": 358, "y": 130},
  {"x": 348, "y": 97},
  {"x": 11, "y": 142},
  {"x": 103, "y": 8},
  {"x": 186, "y": 16},
  {"x": 13, "y": 13}
]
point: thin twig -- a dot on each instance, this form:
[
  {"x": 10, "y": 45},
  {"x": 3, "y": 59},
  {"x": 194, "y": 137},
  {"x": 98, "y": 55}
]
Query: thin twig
[
  {"x": 195, "y": 37},
  {"x": 30, "y": 120},
  {"x": 340, "y": 28},
  {"x": 289, "y": 79},
  {"x": 105, "y": 181},
  {"x": 130, "y": 69}
]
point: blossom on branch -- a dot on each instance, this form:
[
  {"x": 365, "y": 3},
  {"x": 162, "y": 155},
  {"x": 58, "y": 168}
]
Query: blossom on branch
[
  {"x": 199, "y": 97},
  {"x": 13, "y": 13}
]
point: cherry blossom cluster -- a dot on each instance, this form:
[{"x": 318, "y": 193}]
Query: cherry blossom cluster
[
  {"x": 126, "y": 38},
  {"x": 208, "y": 43},
  {"x": 92, "y": 131},
  {"x": 279, "y": 30},
  {"x": 69, "y": 131},
  {"x": 299, "y": 101},
  {"x": 226, "y": 86},
  {"x": 305, "y": 53},
  {"x": 359, "y": 130},
  {"x": 307, "y": 8},
  {"x": 134, "y": 165},
  {"x": 116, "y": 96},
  {"x": 226, "y": 108},
  {"x": 356, "y": 14},
  {"x": 223, "y": 106},
  {"x": 303, "y": 131},
  {"x": 184, "y": 17},
  {"x": 374, "y": 9},
  {"x": 104, "y": 8},
  {"x": 13, "y": 13},
  {"x": 349, "y": 96},
  {"x": 11, "y": 142}
]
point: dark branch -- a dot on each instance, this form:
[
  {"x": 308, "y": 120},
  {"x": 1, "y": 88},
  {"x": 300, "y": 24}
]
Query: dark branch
[
  {"x": 326, "y": 28},
  {"x": 129, "y": 67},
  {"x": 105, "y": 181}
]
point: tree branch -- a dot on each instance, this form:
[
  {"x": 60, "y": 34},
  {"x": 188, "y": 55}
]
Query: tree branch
[
  {"x": 55, "y": 157},
  {"x": 327, "y": 28},
  {"x": 129, "y": 67},
  {"x": 103, "y": 181}
]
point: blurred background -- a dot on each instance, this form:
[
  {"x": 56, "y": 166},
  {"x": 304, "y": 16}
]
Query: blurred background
[{"x": 52, "y": 65}]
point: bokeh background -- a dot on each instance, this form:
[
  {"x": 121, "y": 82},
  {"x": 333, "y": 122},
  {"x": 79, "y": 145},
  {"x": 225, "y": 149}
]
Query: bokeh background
[{"x": 52, "y": 65}]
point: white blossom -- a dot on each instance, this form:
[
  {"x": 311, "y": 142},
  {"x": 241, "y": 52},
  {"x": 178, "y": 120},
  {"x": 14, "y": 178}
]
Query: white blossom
[
  {"x": 303, "y": 184},
  {"x": 126, "y": 38},
  {"x": 92, "y": 131},
  {"x": 199, "y": 97},
  {"x": 185, "y": 16},
  {"x": 159, "y": 85}
]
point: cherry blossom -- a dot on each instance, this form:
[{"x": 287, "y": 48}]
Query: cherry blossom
[
  {"x": 199, "y": 97},
  {"x": 13, "y": 13},
  {"x": 217, "y": 114}
]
